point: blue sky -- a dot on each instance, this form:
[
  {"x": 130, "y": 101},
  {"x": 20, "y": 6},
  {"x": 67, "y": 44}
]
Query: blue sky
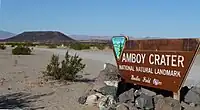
[{"x": 158, "y": 18}]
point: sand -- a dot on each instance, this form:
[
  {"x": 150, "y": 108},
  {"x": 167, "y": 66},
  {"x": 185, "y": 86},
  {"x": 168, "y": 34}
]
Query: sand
[{"x": 21, "y": 78}]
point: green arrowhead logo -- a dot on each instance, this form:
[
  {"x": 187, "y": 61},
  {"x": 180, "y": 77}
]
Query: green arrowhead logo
[{"x": 118, "y": 45}]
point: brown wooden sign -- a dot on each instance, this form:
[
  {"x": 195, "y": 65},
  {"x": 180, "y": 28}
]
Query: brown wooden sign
[{"x": 157, "y": 63}]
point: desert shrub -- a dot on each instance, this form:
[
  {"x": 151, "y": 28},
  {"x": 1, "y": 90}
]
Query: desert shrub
[
  {"x": 2, "y": 47},
  {"x": 52, "y": 46},
  {"x": 28, "y": 44},
  {"x": 100, "y": 46},
  {"x": 12, "y": 45},
  {"x": 65, "y": 70},
  {"x": 21, "y": 50},
  {"x": 79, "y": 46}
]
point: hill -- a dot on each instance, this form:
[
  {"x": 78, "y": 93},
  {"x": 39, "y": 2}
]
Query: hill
[
  {"x": 5, "y": 34},
  {"x": 89, "y": 37},
  {"x": 40, "y": 36}
]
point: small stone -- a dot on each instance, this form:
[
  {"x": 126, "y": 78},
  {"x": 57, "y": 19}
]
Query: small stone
[
  {"x": 144, "y": 101},
  {"x": 107, "y": 102},
  {"x": 91, "y": 100},
  {"x": 9, "y": 88},
  {"x": 122, "y": 107},
  {"x": 192, "y": 104},
  {"x": 127, "y": 96},
  {"x": 82, "y": 99}
]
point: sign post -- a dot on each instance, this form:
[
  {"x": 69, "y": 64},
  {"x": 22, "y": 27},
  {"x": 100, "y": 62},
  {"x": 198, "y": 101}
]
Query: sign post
[{"x": 156, "y": 63}]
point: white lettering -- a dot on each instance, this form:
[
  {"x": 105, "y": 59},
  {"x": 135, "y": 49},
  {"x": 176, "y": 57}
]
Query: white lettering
[
  {"x": 168, "y": 56},
  {"x": 165, "y": 72},
  {"x": 157, "y": 58},
  {"x": 173, "y": 60},
  {"x": 135, "y": 78},
  {"x": 126, "y": 67},
  {"x": 144, "y": 70},
  {"x": 143, "y": 57},
  {"x": 166, "y": 60},
  {"x": 124, "y": 57},
  {"x": 180, "y": 61},
  {"x": 150, "y": 59},
  {"x": 162, "y": 62},
  {"x": 133, "y": 58}
]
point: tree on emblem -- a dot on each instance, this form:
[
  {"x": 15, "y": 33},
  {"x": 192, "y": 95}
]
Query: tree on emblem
[{"x": 120, "y": 49}]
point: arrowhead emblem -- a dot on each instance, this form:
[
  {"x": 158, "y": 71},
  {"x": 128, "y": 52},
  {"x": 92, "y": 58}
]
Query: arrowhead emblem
[{"x": 118, "y": 45}]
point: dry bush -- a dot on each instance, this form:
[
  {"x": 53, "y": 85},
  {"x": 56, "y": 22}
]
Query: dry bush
[{"x": 65, "y": 70}]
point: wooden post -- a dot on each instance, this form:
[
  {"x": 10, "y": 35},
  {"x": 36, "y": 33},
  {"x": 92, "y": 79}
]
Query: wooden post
[{"x": 176, "y": 95}]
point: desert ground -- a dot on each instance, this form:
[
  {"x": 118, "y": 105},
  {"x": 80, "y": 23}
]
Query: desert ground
[{"x": 22, "y": 84}]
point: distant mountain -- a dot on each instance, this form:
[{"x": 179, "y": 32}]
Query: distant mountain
[
  {"x": 40, "y": 36},
  {"x": 5, "y": 34},
  {"x": 90, "y": 37}
]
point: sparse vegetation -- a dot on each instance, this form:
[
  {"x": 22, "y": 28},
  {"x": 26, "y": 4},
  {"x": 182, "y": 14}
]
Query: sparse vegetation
[
  {"x": 2, "y": 47},
  {"x": 79, "y": 46},
  {"x": 52, "y": 46},
  {"x": 21, "y": 50},
  {"x": 100, "y": 46},
  {"x": 13, "y": 44},
  {"x": 65, "y": 70}
]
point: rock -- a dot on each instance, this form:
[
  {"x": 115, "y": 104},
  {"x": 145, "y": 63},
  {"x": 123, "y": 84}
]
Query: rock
[
  {"x": 110, "y": 68},
  {"x": 110, "y": 75},
  {"x": 192, "y": 104},
  {"x": 82, "y": 99},
  {"x": 189, "y": 107},
  {"x": 99, "y": 96},
  {"x": 91, "y": 100},
  {"x": 111, "y": 83},
  {"x": 111, "y": 72},
  {"x": 122, "y": 107},
  {"x": 144, "y": 101},
  {"x": 186, "y": 106},
  {"x": 195, "y": 89},
  {"x": 131, "y": 105},
  {"x": 167, "y": 103},
  {"x": 107, "y": 103},
  {"x": 157, "y": 97},
  {"x": 9, "y": 87},
  {"x": 99, "y": 81},
  {"x": 108, "y": 90},
  {"x": 127, "y": 96},
  {"x": 148, "y": 92},
  {"x": 193, "y": 96},
  {"x": 137, "y": 92}
]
